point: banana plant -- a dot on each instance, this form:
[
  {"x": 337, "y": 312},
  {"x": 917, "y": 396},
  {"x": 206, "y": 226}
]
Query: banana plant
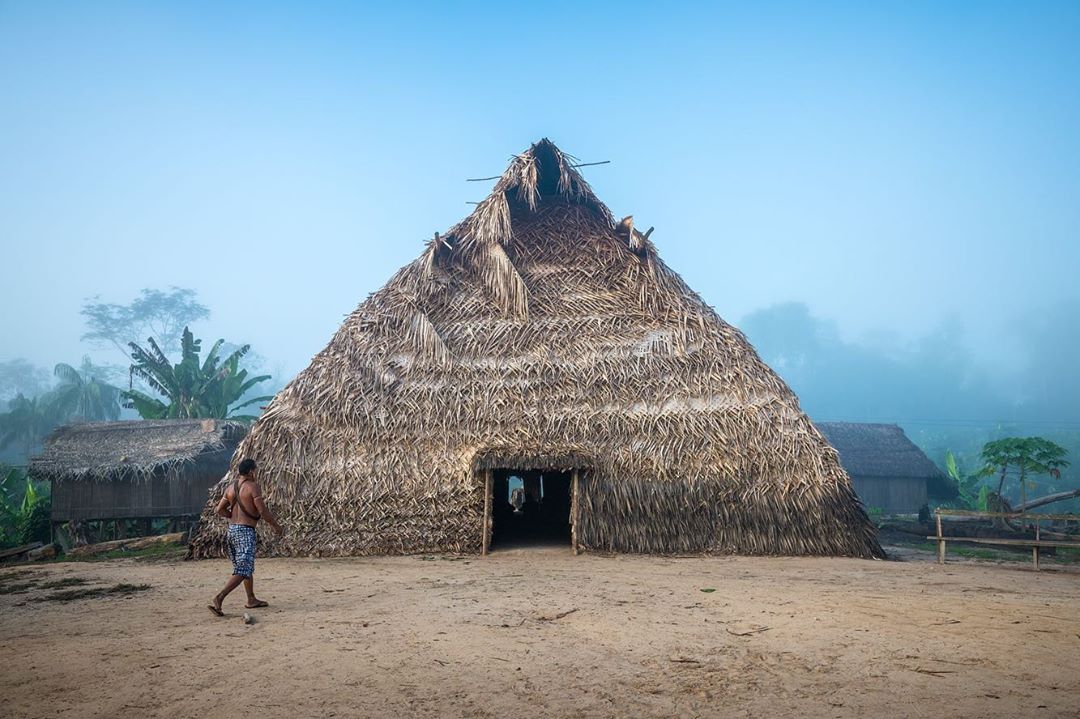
[
  {"x": 191, "y": 388},
  {"x": 972, "y": 495},
  {"x": 22, "y": 503}
]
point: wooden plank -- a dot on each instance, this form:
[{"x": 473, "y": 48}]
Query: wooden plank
[
  {"x": 940, "y": 543},
  {"x": 574, "y": 511},
  {"x": 892, "y": 495},
  {"x": 1008, "y": 542},
  {"x": 16, "y": 551},
  {"x": 182, "y": 490},
  {"x": 1006, "y": 515},
  {"x": 488, "y": 489}
]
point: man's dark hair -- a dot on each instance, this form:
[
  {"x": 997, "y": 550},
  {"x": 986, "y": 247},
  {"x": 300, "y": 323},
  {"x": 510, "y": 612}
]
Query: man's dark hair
[{"x": 247, "y": 466}]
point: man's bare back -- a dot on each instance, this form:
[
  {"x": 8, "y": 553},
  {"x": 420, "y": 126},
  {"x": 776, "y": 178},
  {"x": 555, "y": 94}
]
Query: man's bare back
[{"x": 249, "y": 508}]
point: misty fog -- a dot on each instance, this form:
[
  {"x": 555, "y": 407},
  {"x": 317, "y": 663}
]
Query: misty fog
[{"x": 885, "y": 203}]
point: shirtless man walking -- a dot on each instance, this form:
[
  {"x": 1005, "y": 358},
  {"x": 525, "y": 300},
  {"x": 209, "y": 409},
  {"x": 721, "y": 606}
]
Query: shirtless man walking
[{"x": 242, "y": 504}]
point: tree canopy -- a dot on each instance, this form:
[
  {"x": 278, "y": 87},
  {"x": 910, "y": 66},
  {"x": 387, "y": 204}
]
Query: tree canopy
[
  {"x": 1026, "y": 456},
  {"x": 159, "y": 314},
  {"x": 84, "y": 393}
]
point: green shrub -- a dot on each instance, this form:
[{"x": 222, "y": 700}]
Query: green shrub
[
  {"x": 24, "y": 508},
  {"x": 33, "y": 525}
]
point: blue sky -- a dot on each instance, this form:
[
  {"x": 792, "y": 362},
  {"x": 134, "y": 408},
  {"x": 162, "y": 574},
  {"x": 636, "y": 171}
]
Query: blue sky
[{"x": 894, "y": 168}]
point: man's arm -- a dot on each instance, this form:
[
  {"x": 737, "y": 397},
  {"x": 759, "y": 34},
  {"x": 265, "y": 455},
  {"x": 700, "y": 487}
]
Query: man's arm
[
  {"x": 264, "y": 511},
  {"x": 224, "y": 506}
]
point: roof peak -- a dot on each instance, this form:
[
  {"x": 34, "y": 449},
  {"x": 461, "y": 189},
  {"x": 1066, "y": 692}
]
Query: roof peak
[{"x": 541, "y": 172}]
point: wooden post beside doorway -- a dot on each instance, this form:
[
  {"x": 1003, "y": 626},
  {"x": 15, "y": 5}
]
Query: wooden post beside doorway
[
  {"x": 488, "y": 489},
  {"x": 574, "y": 511}
]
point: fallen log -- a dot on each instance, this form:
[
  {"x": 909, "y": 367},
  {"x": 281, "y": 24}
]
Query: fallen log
[
  {"x": 46, "y": 552},
  {"x": 1048, "y": 499},
  {"x": 89, "y": 550},
  {"x": 144, "y": 542},
  {"x": 918, "y": 529},
  {"x": 17, "y": 551}
]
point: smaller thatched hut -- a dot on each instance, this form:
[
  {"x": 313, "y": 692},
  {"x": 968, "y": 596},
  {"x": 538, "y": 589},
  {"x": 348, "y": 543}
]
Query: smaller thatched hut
[
  {"x": 144, "y": 469},
  {"x": 887, "y": 470}
]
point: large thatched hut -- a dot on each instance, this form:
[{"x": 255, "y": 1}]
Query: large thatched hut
[
  {"x": 539, "y": 340},
  {"x": 142, "y": 469}
]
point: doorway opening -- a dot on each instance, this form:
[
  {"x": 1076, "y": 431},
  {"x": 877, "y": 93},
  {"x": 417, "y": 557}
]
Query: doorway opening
[{"x": 531, "y": 508}]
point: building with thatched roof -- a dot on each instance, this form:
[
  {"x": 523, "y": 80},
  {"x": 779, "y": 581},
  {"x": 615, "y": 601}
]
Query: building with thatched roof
[
  {"x": 538, "y": 340},
  {"x": 142, "y": 469},
  {"x": 886, "y": 468}
]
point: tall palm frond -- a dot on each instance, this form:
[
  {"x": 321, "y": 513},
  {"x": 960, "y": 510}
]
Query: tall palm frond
[
  {"x": 84, "y": 395},
  {"x": 210, "y": 363}
]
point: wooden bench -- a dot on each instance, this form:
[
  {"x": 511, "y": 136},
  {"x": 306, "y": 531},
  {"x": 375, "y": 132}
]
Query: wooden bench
[{"x": 1036, "y": 544}]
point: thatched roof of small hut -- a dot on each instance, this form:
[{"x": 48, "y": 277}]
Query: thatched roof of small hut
[
  {"x": 884, "y": 450},
  {"x": 877, "y": 450},
  {"x": 537, "y": 333},
  {"x": 138, "y": 448}
]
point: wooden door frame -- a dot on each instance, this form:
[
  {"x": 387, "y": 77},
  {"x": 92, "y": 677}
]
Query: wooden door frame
[
  {"x": 575, "y": 509},
  {"x": 489, "y": 520}
]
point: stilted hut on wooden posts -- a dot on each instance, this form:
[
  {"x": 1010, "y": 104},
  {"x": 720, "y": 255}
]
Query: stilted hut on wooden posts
[
  {"x": 142, "y": 469},
  {"x": 540, "y": 341}
]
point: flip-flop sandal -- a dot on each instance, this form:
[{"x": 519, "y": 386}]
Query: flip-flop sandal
[
  {"x": 215, "y": 611},
  {"x": 257, "y": 605}
]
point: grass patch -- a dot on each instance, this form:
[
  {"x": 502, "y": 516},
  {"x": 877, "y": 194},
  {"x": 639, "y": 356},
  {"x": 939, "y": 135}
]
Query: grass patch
[
  {"x": 71, "y": 595},
  {"x": 16, "y": 587},
  {"x": 17, "y": 576},
  {"x": 1061, "y": 555},
  {"x": 921, "y": 544},
  {"x": 1064, "y": 555},
  {"x": 979, "y": 553},
  {"x": 18, "y": 582},
  {"x": 65, "y": 582}
]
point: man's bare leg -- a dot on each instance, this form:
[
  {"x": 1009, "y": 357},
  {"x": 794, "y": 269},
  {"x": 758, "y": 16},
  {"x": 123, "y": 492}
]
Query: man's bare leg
[
  {"x": 252, "y": 600},
  {"x": 233, "y": 583}
]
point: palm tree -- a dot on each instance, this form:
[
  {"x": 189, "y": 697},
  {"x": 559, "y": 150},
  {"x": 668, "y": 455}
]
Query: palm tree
[
  {"x": 26, "y": 422},
  {"x": 83, "y": 393},
  {"x": 193, "y": 389}
]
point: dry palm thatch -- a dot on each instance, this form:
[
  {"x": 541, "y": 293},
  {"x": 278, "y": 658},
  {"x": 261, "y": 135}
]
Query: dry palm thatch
[
  {"x": 132, "y": 449},
  {"x": 878, "y": 450},
  {"x": 531, "y": 335}
]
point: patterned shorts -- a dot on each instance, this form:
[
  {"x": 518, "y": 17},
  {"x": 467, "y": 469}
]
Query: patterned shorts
[{"x": 242, "y": 549}]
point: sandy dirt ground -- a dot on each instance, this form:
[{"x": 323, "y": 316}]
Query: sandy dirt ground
[{"x": 542, "y": 633}]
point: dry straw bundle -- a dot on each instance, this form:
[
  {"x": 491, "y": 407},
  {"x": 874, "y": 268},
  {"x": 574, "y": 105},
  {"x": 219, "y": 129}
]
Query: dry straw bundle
[{"x": 534, "y": 334}]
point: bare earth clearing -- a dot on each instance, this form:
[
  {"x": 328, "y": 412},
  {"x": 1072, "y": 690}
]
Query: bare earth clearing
[{"x": 542, "y": 633}]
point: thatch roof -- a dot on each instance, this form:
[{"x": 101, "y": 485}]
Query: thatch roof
[
  {"x": 877, "y": 450},
  {"x": 137, "y": 448},
  {"x": 538, "y": 334},
  {"x": 884, "y": 450}
]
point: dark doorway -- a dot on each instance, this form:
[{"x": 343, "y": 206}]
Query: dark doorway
[{"x": 531, "y": 508}]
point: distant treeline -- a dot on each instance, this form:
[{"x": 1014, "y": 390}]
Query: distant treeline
[{"x": 936, "y": 390}]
